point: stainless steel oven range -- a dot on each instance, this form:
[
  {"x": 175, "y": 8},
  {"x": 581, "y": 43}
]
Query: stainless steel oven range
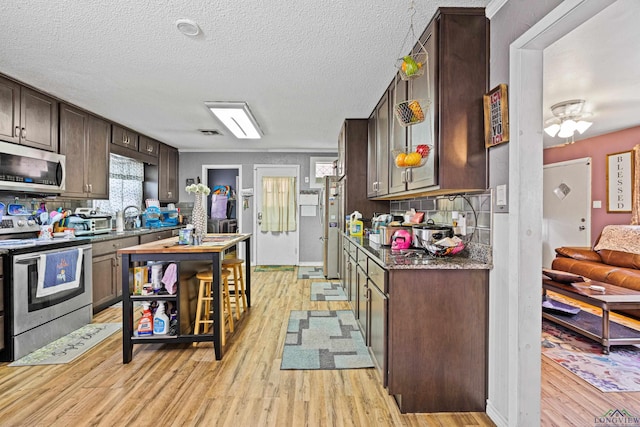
[{"x": 47, "y": 291}]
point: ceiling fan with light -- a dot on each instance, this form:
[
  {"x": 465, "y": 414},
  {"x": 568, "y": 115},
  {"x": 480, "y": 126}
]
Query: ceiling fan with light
[{"x": 568, "y": 119}]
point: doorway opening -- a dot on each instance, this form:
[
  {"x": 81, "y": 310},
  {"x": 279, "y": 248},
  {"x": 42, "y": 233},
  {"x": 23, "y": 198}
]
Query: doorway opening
[
  {"x": 525, "y": 215},
  {"x": 224, "y": 179}
]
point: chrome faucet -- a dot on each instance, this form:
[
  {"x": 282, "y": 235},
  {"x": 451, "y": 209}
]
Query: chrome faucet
[{"x": 130, "y": 220}]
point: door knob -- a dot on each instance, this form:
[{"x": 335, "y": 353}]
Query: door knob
[{"x": 581, "y": 228}]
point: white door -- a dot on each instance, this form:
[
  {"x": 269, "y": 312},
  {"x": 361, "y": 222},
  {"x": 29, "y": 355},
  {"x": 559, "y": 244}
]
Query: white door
[
  {"x": 271, "y": 247},
  {"x": 566, "y": 206}
]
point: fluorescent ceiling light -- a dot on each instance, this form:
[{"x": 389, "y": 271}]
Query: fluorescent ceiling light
[{"x": 237, "y": 117}]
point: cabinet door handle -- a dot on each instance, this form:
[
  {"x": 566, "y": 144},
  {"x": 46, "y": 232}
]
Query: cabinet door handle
[
  {"x": 17, "y": 132},
  {"x": 410, "y": 175},
  {"x": 403, "y": 176},
  {"x": 169, "y": 193},
  {"x": 90, "y": 188},
  {"x": 24, "y": 133}
]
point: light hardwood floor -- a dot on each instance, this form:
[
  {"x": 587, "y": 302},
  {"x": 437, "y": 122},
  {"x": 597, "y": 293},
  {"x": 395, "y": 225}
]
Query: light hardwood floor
[
  {"x": 182, "y": 385},
  {"x": 569, "y": 401}
]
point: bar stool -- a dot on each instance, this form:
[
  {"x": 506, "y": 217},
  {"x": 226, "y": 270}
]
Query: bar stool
[
  {"x": 235, "y": 265},
  {"x": 204, "y": 309}
]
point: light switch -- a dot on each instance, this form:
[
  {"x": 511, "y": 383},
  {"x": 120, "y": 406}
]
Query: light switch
[
  {"x": 597, "y": 204},
  {"x": 501, "y": 195}
]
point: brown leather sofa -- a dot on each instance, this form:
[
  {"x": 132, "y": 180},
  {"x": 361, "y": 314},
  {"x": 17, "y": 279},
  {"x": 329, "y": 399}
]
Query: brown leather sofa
[{"x": 609, "y": 266}]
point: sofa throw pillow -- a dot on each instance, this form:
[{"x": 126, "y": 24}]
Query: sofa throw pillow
[
  {"x": 562, "y": 276},
  {"x": 623, "y": 238},
  {"x": 580, "y": 254}
]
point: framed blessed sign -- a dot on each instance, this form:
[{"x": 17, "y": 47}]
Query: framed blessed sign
[
  {"x": 620, "y": 181},
  {"x": 496, "y": 116}
]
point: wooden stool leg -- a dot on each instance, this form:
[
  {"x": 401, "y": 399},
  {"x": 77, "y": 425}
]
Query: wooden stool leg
[
  {"x": 236, "y": 291},
  {"x": 227, "y": 302},
  {"x": 196, "y": 326},
  {"x": 242, "y": 289}
]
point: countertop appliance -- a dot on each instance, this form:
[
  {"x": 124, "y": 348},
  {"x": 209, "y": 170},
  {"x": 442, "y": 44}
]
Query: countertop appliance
[
  {"x": 28, "y": 169},
  {"x": 86, "y": 221},
  {"x": 330, "y": 214},
  {"x": 35, "y": 310}
]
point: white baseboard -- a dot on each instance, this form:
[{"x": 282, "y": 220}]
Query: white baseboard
[{"x": 496, "y": 416}]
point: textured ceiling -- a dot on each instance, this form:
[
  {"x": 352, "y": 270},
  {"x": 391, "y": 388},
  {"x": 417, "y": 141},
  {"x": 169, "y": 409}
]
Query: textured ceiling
[
  {"x": 301, "y": 66},
  {"x": 599, "y": 62}
]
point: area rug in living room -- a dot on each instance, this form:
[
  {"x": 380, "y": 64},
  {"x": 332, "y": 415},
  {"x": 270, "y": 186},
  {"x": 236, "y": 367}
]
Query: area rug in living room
[
  {"x": 617, "y": 371},
  {"x": 324, "y": 339},
  {"x": 71, "y": 346},
  {"x": 327, "y": 291}
]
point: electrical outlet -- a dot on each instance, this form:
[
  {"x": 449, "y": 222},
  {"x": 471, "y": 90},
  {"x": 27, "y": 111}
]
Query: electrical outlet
[{"x": 306, "y": 179}]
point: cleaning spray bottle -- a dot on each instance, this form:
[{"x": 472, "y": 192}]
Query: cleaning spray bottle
[
  {"x": 160, "y": 321},
  {"x": 145, "y": 324},
  {"x": 356, "y": 226}
]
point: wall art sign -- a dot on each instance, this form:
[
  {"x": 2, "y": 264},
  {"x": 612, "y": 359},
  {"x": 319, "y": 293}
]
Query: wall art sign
[
  {"x": 619, "y": 181},
  {"x": 496, "y": 116}
]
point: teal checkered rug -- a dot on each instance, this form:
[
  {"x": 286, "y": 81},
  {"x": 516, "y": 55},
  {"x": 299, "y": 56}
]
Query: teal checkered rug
[
  {"x": 327, "y": 291},
  {"x": 305, "y": 272},
  {"x": 327, "y": 339}
]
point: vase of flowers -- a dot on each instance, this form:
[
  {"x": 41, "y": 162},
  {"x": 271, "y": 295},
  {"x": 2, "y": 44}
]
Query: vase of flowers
[{"x": 198, "y": 215}]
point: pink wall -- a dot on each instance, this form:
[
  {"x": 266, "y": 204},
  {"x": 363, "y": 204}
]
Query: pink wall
[{"x": 597, "y": 148}]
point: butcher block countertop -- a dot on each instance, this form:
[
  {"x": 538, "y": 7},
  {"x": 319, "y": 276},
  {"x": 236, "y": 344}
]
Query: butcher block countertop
[{"x": 211, "y": 243}]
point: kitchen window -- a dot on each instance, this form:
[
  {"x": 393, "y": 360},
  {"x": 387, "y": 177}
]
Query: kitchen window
[
  {"x": 320, "y": 167},
  {"x": 126, "y": 178}
]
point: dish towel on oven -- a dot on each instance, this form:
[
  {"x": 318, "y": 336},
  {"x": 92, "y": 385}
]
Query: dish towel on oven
[{"x": 59, "y": 271}]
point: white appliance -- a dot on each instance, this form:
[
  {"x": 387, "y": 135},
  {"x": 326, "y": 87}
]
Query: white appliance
[{"x": 330, "y": 209}]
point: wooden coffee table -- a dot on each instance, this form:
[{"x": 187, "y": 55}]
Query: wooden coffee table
[{"x": 613, "y": 298}]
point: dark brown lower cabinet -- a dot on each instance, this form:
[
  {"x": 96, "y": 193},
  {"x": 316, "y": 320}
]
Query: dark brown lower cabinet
[
  {"x": 437, "y": 340},
  {"x": 107, "y": 271}
]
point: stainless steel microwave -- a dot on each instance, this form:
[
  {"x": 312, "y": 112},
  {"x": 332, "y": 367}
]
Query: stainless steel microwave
[{"x": 28, "y": 169}]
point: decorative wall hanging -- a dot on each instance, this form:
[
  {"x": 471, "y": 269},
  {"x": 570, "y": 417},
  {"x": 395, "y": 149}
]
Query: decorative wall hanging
[
  {"x": 620, "y": 167},
  {"x": 496, "y": 116}
]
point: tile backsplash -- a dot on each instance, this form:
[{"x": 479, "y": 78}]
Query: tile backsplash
[{"x": 475, "y": 207}]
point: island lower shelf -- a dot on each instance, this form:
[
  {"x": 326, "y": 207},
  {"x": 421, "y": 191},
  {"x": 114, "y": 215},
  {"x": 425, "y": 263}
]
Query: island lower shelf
[{"x": 189, "y": 260}]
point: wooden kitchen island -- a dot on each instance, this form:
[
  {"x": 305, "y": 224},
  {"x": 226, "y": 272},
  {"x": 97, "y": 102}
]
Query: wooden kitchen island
[{"x": 189, "y": 259}]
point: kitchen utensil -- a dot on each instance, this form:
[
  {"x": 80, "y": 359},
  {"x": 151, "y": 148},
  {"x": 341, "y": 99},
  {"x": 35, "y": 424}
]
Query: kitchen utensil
[
  {"x": 401, "y": 239},
  {"x": 55, "y": 217},
  {"x": 425, "y": 234}
]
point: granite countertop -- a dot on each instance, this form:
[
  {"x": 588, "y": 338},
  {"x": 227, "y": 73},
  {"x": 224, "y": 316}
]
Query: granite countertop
[
  {"x": 127, "y": 233},
  {"x": 474, "y": 257}
]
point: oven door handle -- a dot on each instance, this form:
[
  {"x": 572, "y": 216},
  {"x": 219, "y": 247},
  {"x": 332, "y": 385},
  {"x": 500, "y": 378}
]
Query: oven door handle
[{"x": 28, "y": 260}]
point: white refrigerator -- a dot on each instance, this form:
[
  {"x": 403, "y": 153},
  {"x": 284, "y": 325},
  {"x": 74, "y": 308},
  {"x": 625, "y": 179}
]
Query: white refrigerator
[{"x": 330, "y": 205}]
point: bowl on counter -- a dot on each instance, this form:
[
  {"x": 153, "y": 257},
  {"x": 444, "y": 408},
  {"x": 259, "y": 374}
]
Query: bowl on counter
[{"x": 440, "y": 250}]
